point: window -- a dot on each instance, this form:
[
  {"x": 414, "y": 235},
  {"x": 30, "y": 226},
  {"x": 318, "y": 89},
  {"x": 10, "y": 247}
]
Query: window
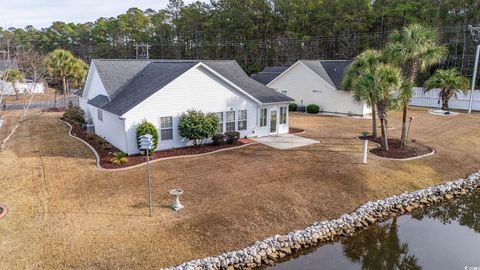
[
  {"x": 283, "y": 115},
  {"x": 285, "y": 92},
  {"x": 100, "y": 115},
  {"x": 230, "y": 121},
  {"x": 242, "y": 120},
  {"x": 166, "y": 128},
  {"x": 220, "y": 124},
  {"x": 263, "y": 117}
]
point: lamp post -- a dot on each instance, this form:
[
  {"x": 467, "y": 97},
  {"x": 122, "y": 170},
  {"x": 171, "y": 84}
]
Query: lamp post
[
  {"x": 476, "y": 38},
  {"x": 146, "y": 143}
]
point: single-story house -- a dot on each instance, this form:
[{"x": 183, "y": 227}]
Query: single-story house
[
  {"x": 268, "y": 74},
  {"x": 119, "y": 94},
  {"x": 319, "y": 82},
  {"x": 22, "y": 87}
]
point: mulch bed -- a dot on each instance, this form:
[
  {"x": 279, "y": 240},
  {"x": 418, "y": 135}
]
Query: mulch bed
[
  {"x": 412, "y": 149},
  {"x": 295, "y": 130},
  {"x": 105, "y": 150}
]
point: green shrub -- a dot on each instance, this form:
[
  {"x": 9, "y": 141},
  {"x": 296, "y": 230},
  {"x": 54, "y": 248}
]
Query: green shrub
[
  {"x": 365, "y": 133},
  {"x": 74, "y": 115},
  {"x": 148, "y": 128},
  {"x": 313, "y": 108},
  {"x": 218, "y": 139},
  {"x": 198, "y": 127},
  {"x": 292, "y": 107},
  {"x": 119, "y": 158},
  {"x": 232, "y": 137}
]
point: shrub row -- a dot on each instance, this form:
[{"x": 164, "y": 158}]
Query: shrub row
[{"x": 229, "y": 137}]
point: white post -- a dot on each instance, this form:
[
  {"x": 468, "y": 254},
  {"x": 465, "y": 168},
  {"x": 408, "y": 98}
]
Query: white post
[
  {"x": 475, "y": 68},
  {"x": 149, "y": 186},
  {"x": 365, "y": 151}
]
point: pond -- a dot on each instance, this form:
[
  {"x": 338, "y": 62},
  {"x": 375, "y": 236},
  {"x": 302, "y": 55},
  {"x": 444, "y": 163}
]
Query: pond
[{"x": 444, "y": 236}]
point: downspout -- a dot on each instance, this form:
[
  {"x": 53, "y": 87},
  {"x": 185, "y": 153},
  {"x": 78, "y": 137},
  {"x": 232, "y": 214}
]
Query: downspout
[{"x": 125, "y": 133}]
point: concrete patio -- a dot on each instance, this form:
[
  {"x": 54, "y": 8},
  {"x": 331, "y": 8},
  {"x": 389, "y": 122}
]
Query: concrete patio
[{"x": 285, "y": 141}]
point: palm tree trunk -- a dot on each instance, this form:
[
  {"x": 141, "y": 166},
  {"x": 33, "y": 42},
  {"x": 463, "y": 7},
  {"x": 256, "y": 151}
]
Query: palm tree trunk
[
  {"x": 17, "y": 94},
  {"x": 374, "y": 121},
  {"x": 383, "y": 126},
  {"x": 64, "y": 91},
  {"x": 404, "y": 125}
]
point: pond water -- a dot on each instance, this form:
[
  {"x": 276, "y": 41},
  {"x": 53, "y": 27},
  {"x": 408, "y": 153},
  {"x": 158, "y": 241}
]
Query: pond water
[{"x": 444, "y": 236}]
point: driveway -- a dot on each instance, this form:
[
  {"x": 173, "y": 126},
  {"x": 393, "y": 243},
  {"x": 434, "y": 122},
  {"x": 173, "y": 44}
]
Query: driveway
[{"x": 285, "y": 141}]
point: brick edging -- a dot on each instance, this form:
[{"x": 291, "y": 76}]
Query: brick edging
[{"x": 97, "y": 156}]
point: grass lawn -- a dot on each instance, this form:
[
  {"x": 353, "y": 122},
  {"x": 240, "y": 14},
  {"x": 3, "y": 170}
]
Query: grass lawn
[
  {"x": 49, "y": 95},
  {"x": 65, "y": 214}
]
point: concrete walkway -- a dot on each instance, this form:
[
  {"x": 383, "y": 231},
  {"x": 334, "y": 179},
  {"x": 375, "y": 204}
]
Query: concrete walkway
[{"x": 285, "y": 141}]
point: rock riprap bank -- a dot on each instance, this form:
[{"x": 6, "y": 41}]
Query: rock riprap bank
[{"x": 270, "y": 250}]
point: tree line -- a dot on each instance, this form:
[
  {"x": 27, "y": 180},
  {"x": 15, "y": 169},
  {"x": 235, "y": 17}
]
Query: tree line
[{"x": 258, "y": 33}]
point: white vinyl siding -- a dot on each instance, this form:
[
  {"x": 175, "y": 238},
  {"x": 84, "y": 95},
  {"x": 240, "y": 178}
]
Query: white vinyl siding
[
  {"x": 230, "y": 121},
  {"x": 166, "y": 128},
  {"x": 100, "y": 115},
  {"x": 242, "y": 120},
  {"x": 283, "y": 115},
  {"x": 263, "y": 117},
  {"x": 220, "y": 124}
]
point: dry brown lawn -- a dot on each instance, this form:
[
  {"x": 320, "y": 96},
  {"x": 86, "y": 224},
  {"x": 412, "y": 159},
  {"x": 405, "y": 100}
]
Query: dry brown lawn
[
  {"x": 66, "y": 214},
  {"x": 49, "y": 95}
]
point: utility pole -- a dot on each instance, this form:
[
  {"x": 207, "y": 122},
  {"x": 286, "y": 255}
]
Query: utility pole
[
  {"x": 142, "y": 51},
  {"x": 476, "y": 38}
]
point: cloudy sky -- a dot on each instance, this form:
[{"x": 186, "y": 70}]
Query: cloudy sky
[{"x": 41, "y": 13}]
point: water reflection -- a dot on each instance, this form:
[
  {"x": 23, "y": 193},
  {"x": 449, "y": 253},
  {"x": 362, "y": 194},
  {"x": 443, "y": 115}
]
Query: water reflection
[
  {"x": 465, "y": 211},
  {"x": 445, "y": 236},
  {"x": 379, "y": 247}
]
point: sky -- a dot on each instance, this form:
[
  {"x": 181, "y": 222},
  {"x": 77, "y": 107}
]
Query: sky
[{"x": 41, "y": 13}]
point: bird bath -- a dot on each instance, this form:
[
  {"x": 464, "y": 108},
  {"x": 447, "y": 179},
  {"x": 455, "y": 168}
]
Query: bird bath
[{"x": 177, "y": 206}]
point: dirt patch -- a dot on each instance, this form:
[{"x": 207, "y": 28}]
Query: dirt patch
[
  {"x": 410, "y": 150},
  {"x": 106, "y": 151}
]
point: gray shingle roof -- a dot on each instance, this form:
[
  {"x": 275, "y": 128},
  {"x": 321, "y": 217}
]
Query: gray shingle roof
[
  {"x": 99, "y": 101},
  {"x": 336, "y": 70},
  {"x": 115, "y": 73},
  {"x": 331, "y": 71},
  {"x": 234, "y": 73},
  {"x": 129, "y": 82},
  {"x": 268, "y": 74},
  {"x": 148, "y": 81}
]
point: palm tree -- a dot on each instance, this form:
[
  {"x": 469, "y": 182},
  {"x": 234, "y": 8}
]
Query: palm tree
[
  {"x": 77, "y": 73},
  {"x": 415, "y": 48},
  {"x": 59, "y": 63},
  {"x": 383, "y": 81},
  {"x": 13, "y": 76},
  {"x": 450, "y": 82},
  {"x": 364, "y": 63}
]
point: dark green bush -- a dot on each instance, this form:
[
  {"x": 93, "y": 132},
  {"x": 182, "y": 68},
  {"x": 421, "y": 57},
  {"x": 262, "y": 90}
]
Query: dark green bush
[
  {"x": 313, "y": 108},
  {"x": 232, "y": 137},
  {"x": 74, "y": 115},
  {"x": 218, "y": 139},
  {"x": 148, "y": 128},
  {"x": 292, "y": 107},
  {"x": 197, "y": 127}
]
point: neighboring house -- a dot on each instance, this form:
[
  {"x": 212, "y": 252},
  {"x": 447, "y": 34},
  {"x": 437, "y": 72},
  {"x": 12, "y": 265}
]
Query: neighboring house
[
  {"x": 119, "y": 94},
  {"x": 319, "y": 82},
  {"x": 268, "y": 74}
]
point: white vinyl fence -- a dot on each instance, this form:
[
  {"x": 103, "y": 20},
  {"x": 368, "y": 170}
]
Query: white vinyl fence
[
  {"x": 7, "y": 88},
  {"x": 432, "y": 99}
]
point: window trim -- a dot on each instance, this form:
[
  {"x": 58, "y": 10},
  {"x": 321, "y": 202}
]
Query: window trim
[
  {"x": 229, "y": 122},
  {"x": 221, "y": 123},
  {"x": 283, "y": 115},
  {"x": 99, "y": 115},
  {"x": 162, "y": 128},
  {"x": 239, "y": 114},
  {"x": 265, "y": 116}
]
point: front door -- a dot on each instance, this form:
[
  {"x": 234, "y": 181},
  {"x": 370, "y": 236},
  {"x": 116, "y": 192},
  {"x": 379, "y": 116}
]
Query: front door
[{"x": 273, "y": 122}]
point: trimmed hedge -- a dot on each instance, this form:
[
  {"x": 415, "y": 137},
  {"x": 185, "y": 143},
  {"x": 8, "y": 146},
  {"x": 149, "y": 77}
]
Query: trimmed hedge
[
  {"x": 218, "y": 139},
  {"x": 232, "y": 137},
  {"x": 292, "y": 107},
  {"x": 313, "y": 108}
]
